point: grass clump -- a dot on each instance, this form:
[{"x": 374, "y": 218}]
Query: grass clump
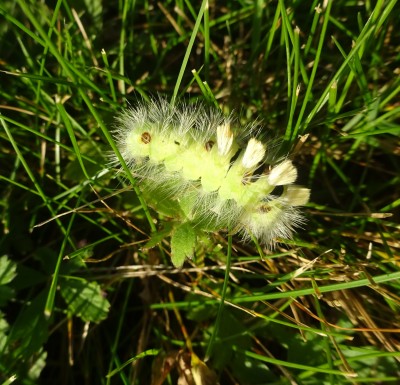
[{"x": 87, "y": 292}]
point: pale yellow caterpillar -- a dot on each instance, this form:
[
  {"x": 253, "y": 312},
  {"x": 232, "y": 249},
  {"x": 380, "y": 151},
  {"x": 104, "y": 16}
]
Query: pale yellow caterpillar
[{"x": 208, "y": 171}]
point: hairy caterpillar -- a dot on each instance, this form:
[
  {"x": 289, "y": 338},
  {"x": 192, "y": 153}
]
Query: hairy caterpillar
[{"x": 209, "y": 172}]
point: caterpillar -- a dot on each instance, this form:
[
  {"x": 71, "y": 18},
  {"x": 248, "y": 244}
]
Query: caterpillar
[{"x": 208, "y": 171}]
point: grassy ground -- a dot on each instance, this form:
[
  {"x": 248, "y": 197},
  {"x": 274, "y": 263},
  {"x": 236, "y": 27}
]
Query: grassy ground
[{"x": 83, "y": 302}]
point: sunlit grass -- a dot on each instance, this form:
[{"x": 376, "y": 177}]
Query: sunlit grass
[{"x": 86, "y": 286}]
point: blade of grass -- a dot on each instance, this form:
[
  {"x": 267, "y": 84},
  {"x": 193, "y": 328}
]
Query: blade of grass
[
  {"x": 146, "y": 353},
  {"x": 50, "y": 300},
  {"x": 74, "y": 74},
  {"x": 296, "y": 87},
  {"x": 48, "y": 310},
  {"x": 207, "y": 41},
  {"x": 304, "y": 368},
  {"x": 68, "y": 126},
  {"x": 314, "y": 69},
  {"x": 384, "y": 278},
  {"x": 188, "y": 51},
  {"x": 109, "y": 76},
  {"x": 221, "y": 305}
]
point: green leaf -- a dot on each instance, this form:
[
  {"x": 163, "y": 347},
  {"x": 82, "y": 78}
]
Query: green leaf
[
  {"x": 85, "y": 299},
  {"x": 183, "y": 241},
  {"x": 232, "y": 333},
  {"x": 162, "y": 203},
  {"x": 38, "y": 364},
  {"x": 30, "y": 330},
  {"x": 3, "y": 332},
  {"x": 74, "y": 170},
  {"x": 6, "y": 293},
  {"x": 7, "y": 270},
  {"x": 157, "y": 237},
  {"x": 7, "y": 274}
]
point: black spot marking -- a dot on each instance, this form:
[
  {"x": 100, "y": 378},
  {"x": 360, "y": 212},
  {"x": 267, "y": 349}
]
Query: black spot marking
[
  {"x": 209, "y": 145},
  {"x": 258, "y": 173},
  {"x": 234, "y": 157},
  {"x": 146, "y": 137},
  {"x": 264, "y": 208},
  {"x": 177, "y": 143},
  {"x": 277, "y": 191},
  {"x": 262, "y": 170}
]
